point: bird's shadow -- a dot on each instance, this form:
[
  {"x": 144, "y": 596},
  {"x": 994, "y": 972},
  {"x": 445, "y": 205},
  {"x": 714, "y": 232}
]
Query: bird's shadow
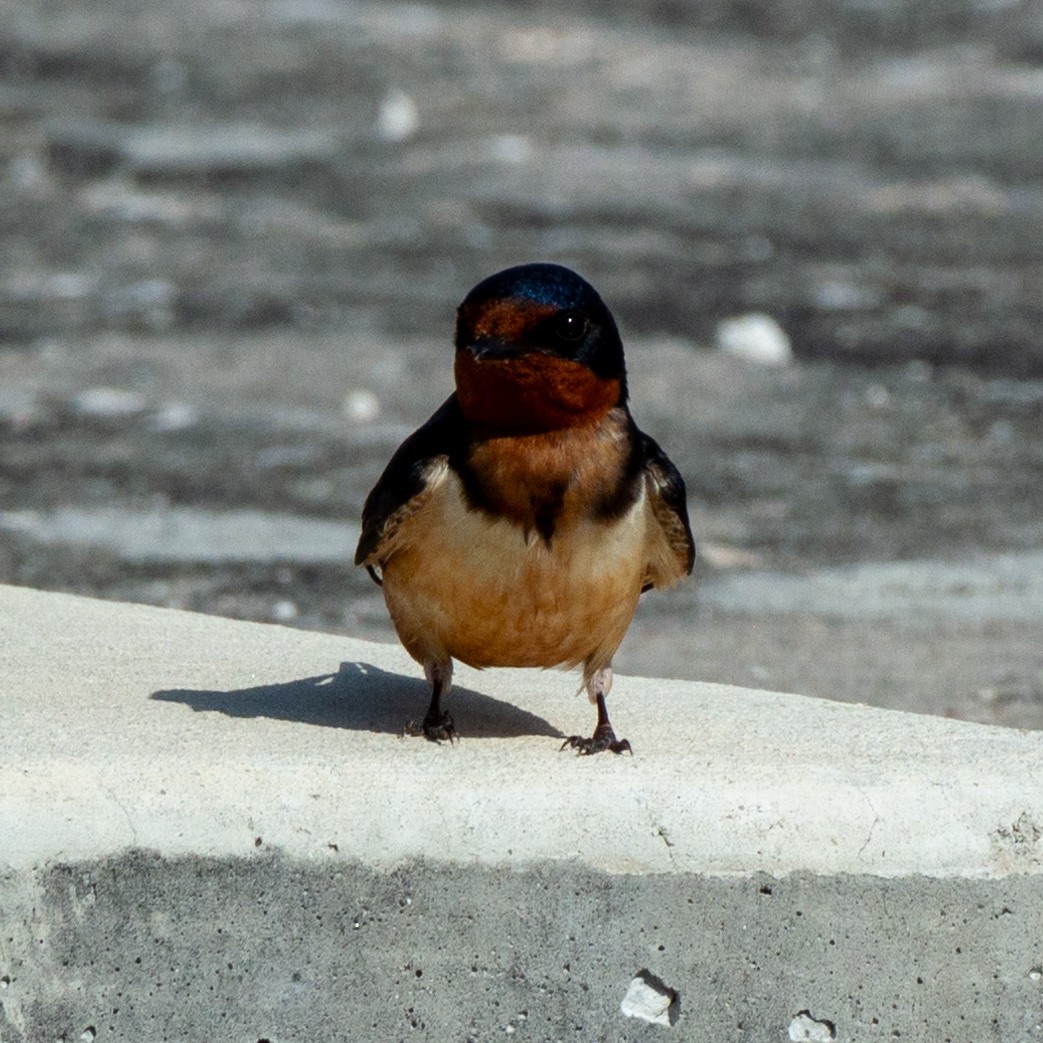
[{"x": 365, "y": 698}]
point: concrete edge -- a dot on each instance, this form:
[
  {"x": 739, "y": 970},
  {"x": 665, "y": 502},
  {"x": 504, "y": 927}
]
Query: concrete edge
[{"x": 129, "y": 727}]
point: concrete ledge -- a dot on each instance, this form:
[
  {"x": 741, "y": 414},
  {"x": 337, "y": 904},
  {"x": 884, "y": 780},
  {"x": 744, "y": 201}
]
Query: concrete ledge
[{"x": 210, "y": 822}]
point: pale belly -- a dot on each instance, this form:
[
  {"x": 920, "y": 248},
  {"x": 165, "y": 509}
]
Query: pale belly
[{"x": 459, "y": 584}]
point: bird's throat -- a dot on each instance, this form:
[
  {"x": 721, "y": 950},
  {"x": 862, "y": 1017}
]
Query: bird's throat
[{"x": 533, "y": 392}]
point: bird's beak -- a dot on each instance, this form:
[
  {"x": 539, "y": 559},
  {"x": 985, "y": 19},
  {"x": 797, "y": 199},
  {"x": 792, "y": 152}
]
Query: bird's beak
[{"x": 493, "y": 348}]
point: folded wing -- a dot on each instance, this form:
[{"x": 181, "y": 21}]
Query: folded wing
[
  {"x": 406, "y": 482},
  {"x": 672, "y": 551}
]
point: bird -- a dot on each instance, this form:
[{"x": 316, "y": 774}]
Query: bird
[{"x": 522, "y": 522}]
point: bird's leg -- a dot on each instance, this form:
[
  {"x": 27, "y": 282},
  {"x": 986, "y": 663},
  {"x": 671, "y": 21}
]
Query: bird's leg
[
  {"x": 604, "y": 738},
  {"x": 437, "y": 724}
]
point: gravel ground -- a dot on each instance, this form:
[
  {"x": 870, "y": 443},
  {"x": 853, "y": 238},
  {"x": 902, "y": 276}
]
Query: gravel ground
[{"x": 234, "y": 237}]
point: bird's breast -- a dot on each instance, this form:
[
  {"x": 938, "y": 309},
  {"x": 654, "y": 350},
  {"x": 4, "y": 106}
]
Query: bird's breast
[{"x": 475, "y": 586}]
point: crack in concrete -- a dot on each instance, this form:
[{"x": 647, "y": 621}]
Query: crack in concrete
[
  {"x": 876, "y": 820},
  {"x": 126, "y": 814}
]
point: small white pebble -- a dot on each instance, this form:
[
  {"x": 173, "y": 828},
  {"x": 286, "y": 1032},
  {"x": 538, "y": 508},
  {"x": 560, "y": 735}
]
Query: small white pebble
[
  {"x": 756, "y": 338},
  {"x": 174, "y": 416},
  {"x": 361, "y": 406},
  {"x": 809, "y": 1030},
  {"x": 109, "y": 402},
  {"x": 647, "y": 1000},
  {"x": 399, "y": 118},
  {"x": 284, "y": 611}
]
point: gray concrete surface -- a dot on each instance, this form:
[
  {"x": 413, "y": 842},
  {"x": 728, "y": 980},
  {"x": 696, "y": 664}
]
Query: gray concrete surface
[
  {"x": 868, "y": 174},
  {"x": 211, "y": 830}
]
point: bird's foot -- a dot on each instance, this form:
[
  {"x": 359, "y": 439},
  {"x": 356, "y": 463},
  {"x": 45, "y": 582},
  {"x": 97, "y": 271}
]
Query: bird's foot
[
  {"x": 604, "y": 738},
  {"x": 434, "y": 727}
]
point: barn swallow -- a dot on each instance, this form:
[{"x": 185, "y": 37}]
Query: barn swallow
[{"x": 522, "y": 522}]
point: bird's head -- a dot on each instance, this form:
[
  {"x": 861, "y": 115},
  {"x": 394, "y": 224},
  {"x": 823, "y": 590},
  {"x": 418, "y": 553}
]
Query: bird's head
[{"x": 537, "y": 350}]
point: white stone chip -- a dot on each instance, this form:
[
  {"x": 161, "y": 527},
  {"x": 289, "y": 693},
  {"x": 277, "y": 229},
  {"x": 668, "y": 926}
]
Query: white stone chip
[
  {"x": 174, "y": 416},
  {"x": 361, "y": 406},
  {"x": 649, "y": 999},
  {"x": 806, "y": 1028},
  {"x": 756, "y": 338},
  {"x": 109, "y": 402},
  {"x": 399, "y": 118}
]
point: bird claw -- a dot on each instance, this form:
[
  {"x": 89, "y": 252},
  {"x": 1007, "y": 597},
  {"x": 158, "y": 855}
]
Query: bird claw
[
  {"x": 597, "y": 743},
  {"x": 433, "y": 728}
]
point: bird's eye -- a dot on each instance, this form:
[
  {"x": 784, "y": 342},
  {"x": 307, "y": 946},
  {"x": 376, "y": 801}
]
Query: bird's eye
[{"x": 570, "y": 326}]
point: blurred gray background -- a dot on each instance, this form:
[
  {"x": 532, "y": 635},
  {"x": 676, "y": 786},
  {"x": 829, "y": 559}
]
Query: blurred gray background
[{"x": 235, "y": 233}]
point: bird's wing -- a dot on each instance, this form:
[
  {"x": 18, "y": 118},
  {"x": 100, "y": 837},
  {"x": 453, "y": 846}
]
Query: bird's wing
[
  {"x": 673, "y": 547},
  {"x": 406, "y": 483}
]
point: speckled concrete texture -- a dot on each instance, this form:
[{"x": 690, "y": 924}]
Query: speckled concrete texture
[{"x": 136, "y": 947}]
